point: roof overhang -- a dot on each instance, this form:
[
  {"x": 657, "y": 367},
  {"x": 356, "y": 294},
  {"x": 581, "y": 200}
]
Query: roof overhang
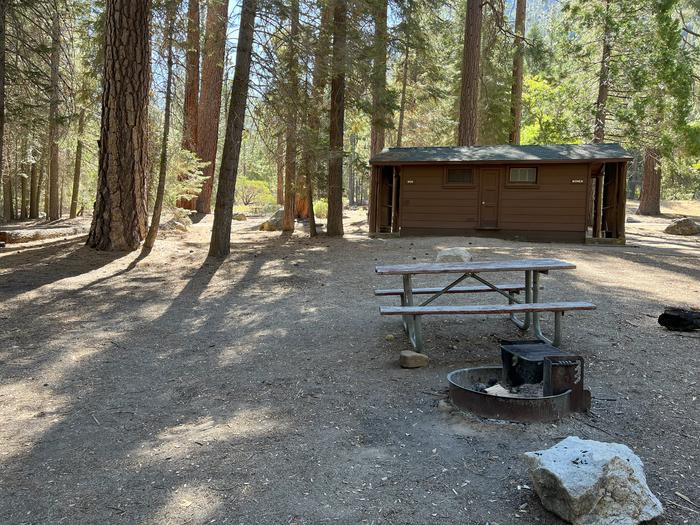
[{"x": 503, "y": 154}]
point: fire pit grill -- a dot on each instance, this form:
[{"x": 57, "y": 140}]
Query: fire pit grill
[{"x": 524, "y": 362}]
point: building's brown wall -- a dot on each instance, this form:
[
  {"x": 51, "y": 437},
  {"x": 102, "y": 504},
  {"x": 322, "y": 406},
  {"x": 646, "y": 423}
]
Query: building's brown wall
[
  {"x": 426, "y": 203},
  {"x": 555, "y": 204}
]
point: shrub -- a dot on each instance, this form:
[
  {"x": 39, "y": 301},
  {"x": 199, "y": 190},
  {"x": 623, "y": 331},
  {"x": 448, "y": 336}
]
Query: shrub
[{"x": 321, "y": 208}]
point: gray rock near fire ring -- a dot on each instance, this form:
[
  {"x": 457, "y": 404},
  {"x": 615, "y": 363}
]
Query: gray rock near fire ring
[
  {"x": 587, "y": 482},
  {"x": 458, "y": 254}
]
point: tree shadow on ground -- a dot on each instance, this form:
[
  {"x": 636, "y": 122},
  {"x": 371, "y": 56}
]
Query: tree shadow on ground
[
  {"x": 248, "y": 389},
  {"x": 36, "y": 266},
  {"x": 164, "y": 383}
]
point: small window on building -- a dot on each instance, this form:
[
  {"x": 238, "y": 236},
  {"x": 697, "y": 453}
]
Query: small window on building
[
  {"x": 459, "y": 177},
  {"x": 523, "y": 176}
]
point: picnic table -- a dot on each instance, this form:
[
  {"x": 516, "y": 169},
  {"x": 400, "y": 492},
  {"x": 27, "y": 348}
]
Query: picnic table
[{"x": 530, "y": 307}]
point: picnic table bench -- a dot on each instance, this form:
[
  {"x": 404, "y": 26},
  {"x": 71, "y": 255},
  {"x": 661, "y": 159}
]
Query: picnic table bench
[{"x": 531, "y": 307}]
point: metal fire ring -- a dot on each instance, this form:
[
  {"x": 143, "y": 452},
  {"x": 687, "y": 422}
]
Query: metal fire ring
[{"x": 462, "y": 395}]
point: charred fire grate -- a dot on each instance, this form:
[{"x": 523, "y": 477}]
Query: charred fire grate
[{"x": 536, "y": 382}]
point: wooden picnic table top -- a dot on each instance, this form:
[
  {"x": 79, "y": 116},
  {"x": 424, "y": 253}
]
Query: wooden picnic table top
[{"x": 512, "y": 265}]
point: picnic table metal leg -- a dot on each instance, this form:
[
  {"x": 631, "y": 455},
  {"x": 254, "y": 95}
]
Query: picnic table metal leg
[
  {"x": 412, "y": 322},
  {"x": 536, "y": 326},
  {"x": 525, "y": 324},
  {"x": 403, "y": 317}
]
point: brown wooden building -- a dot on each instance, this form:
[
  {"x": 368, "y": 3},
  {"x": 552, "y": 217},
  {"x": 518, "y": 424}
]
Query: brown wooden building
[{"x": 564, "y": 192}]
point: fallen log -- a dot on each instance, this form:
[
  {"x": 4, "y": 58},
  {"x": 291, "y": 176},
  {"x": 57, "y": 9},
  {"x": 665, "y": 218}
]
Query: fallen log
[
  {"x": 38, "y": 234},
  {"x": 680, "y": 319}
]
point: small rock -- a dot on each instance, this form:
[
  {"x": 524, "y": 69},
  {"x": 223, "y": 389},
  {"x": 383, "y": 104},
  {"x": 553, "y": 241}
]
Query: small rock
[
  {"x": 632, "y": 219},
  {"x": 684, "y": 226},
  {"x": 587, "y": 482},
  {"x": 239, "y": 217},
  {"x": 411, "y": 359},
  {"x": 458, "y": 254},
  {"x": 389, "y": 337}
]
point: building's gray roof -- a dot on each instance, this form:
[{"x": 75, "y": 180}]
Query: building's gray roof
[{"x": 503, "y": 153}]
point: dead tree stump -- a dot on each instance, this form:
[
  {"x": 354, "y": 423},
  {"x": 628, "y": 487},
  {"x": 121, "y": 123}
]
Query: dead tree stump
[{"x": 679, "y": 319}]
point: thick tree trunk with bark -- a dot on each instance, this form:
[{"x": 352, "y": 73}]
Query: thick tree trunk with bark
[
  {"x": 516, "y": 91},
  {"x": 650, "y": 196},
  {"x": 119, "y": 220},
  {"x": 78, "y": 164},
  {"x": 54, "y": 204},
  {"x": 603, "y": 83},
  {"x": 220, "y": 245},
  {"x": 210, "y": 96},
  {"x": 337, "y": 119},
  {"x": 190, "y": 106},
  {"x": 379, "y": 102},
  {"x": 163, "y": 167},
  {"x": 291, "y": 116},
  {"x": 471, "y": 68}
]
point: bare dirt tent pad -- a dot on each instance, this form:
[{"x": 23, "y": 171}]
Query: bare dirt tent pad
[{"x": 565, "y": 192}]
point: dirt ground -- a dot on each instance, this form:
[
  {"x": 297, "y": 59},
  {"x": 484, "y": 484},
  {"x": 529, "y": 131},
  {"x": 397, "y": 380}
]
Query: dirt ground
[{"x": 264, "y": 388}]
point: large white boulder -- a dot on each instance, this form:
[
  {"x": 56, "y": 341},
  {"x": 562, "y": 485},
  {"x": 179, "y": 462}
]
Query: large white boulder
[
  {"x": 587, "y": 482},
  {"x": 457, "y": 254}
]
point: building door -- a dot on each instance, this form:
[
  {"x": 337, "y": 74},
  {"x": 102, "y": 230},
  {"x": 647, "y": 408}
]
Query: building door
[{"x": 489, "y": 184}]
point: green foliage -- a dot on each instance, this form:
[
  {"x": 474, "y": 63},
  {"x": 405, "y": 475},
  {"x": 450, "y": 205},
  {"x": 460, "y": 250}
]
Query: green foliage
[
  {"x": 549, "y": 115},
  {"x": 253, "y": 193},
  {"x": 184, "y": 179},
  {"x": 321, "y": 208}
]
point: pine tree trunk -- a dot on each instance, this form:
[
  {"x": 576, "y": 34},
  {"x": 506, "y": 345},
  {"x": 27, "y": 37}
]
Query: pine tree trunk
[
  {"x": 78, "y": 165},
  {"x": 516, "y": 91},
  {"x": 650, "y": 196},
  {"x": 24, "y": 192},
  {"x": 402, "y": 104},
  {"x": 379, "y": 116},
  {"x": 189, "y": 108},
  {"x": 310, "y": 154},
  {"x": 162, "y": 171},
  {"x": 337, "y": 119},
  {"x": 33, "y": 191},
  {"x": 41, "y": 184},
  {"x": 290, "y": 141},
  {"x": 220, "y": 245},
  {"x": 54, "y": 198},
  {"x": 603, "y": 82},
  {"x": 351, "y": 172},
  {"x": 119, "y": 220},
  {"x": 471, "y": 67},
  {"x": 191, "y": 102},
  {"x": 210, "y": 96}
]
